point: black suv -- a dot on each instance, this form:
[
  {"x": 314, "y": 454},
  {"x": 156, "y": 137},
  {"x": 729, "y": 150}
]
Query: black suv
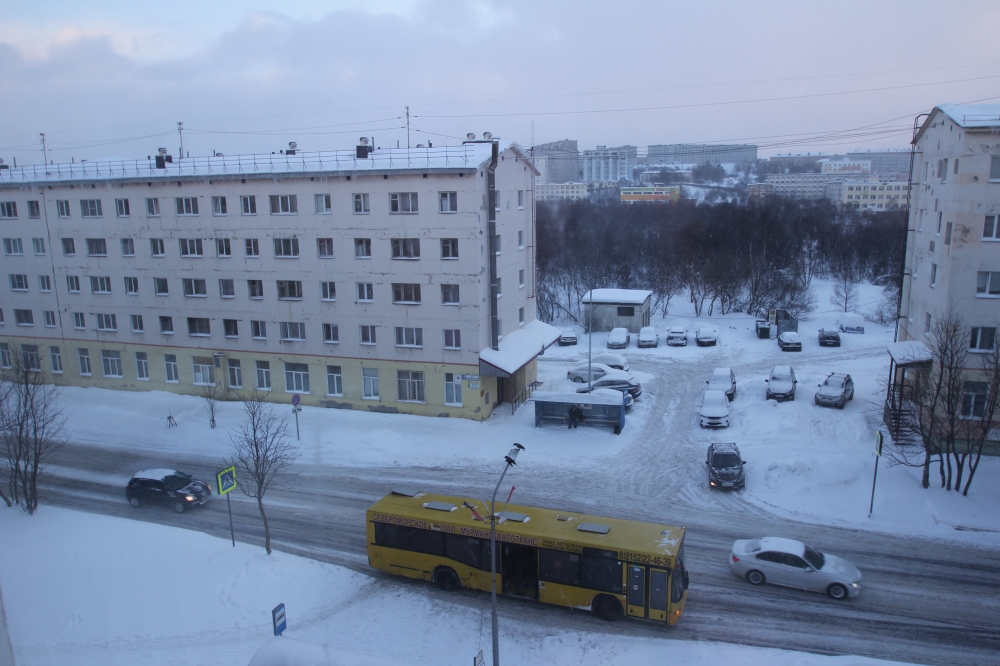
[
  {"x": 725, "y": 467},
  {"x": 168, "y": 487},
  {"x": 829, "y": 338}
]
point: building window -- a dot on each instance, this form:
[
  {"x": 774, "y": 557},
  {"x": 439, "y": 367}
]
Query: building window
[
  {"x": 286, "y": 247},
  {"x": 520, "y": 199},
  {"x": 55, "y": 356},
  {"x": 231, "y": 328},
  {"x": 100, "y": 285},
  {"x": 170, "y": 364},
  {"x": 219, "y": 206},
  {"x": 448, "y": 202},
  {"x": 227, "y": 288},
  {"x": 983, "y": 338},
  {"x": 331, "y": 333},
  {"x": 39, "y": 245},
  {"x": 50, "y": 318},
  {"x": 204, "y": 371},
  {"x": 403, "y": 202},
  {"x": 69, "y": 247},
  {"x": 186, "y": 205},
  {"x": 405, "y": 248},
  {"x": 19, "y": 282},
  {"x": 323, "y": 204},
  {"x": 157, "y": 248},
  {"x": 128, "y": 247},
  {"x": 258, "y": 329},
  {"x": 369, "y": 377},
  {"x": 452, "y": 338},
  {"x": 141, "y": 366},
  {"x": 324, "y": 247},
  {"x": 132, "y": 286},
  {"x": 264, "y": 375},
  {"x": 289, "y": 290},
  {"x": 223, "y": 247},
  {"x": 449, "y": 294},
  {"x": 367, "y": 335},
  {"x": 366, "y": 292},
  {"x": 520, "y": 316},
  {"x": 933, "y": 275},
  {"x": 44, "y": 283},
  {"x": 253, "y": 249},
  {"x": 361, "y": 204},
  {"x": 107, "y": 322},
  {"x": 112, "y": 362},
  {"x": 520, "y": 240},
  {"x": 79, "y": 321},
  {"x": 84, "y": 356},
  {"x": 152, "y": 207},
  {"x": 34, "y": 210},
  {"x": 255, "y": 288},
  {"x": 194, "y": 287},
  {"x": 191, "y": 247},
  {"x": 452, "y": 390},
  {"x": 248, "y": 204},
  {"x": 296, "y": 377},
  {"x": 974, "y": 399},
  {"x": 30, "y": 357},
  {"x": 449, "y": 248},
  {"x": 284, "y": 204},
  {"x": 409, "y": 337},
  {"x": 927, "y": 323},
  {"x": 160, "y": 287},
  {"x": 497, "y": 244},
  {"x": 121, "y": 208},
  {"x": 410, "y": 384},
  {"x": 97, "y": 247},
  {"x": 235, "y": 374},
  {"x": 499, "y": 288},
  {"x": 5, "y": 359},
  {"x": 62, "y": 208},
  {"x": 292, "y": 330},
  {"x": 199, "y": 326},
  {"x": 406, "y": 293},
  {"x": 363, "y": 248},
  {"x": 137, "y": 326},
  {"x": 91, "y": 208},
  {"x": 520, "y": 279},
  {"x": 987, "y": 284},
  {"x": 329, "y": 290},
  {"x": 334, "y": 380},
  {"x": 167, "y": 325}
]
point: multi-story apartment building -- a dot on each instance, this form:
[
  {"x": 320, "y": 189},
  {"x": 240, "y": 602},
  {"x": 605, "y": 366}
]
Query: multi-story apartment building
[
  {"x": 871, "y": 193},
  {"x": 387, "y": 280},
  {"x": 557, "y": 162},
  {"x": 562, "y": 191},
  {"x": 845, "y": 166},
  {"x": 605, "y": 164},
  {"x": 884, "y": 161},
  {"x": 650, "y": 194},
  {"x": 698, "y": 153}
]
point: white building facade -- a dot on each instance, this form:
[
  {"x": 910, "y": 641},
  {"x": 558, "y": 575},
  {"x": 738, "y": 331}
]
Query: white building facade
[{"x": 609, "y": 164}]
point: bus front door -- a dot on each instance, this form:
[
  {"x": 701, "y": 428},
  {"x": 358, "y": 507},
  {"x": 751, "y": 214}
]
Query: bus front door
[
  {"x": 647, "y": 592},
  {"x": 636, "y": 595}
]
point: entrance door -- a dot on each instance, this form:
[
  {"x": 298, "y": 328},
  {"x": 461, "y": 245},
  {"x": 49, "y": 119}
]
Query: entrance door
[
  {"x": 636, "y": 595},
  {"x": 520, "y": 570},
  {"x": 657, "y": 594}
]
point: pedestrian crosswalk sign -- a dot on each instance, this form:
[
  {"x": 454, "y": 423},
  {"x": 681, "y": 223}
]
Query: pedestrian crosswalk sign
[
  {"x": 226, "y": 479},
  {"x": 878, "y": 442}
]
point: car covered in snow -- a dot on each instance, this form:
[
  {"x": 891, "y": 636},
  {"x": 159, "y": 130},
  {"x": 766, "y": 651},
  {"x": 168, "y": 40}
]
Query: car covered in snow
[
  {"x": 829, "y": 338},
  {"x": 851, "y": 322},
  {"x": 715, "y": 410},
  {"x": 619, "y": 338},
  {"x": 167, "y": 487},
  {"x": 621, "y": 395},
  {"x": 781, "y": 383},
  {"x": 725, "y": 467},
  {"x": 677, "y": 336},
  {"x": 706, "y": 337},
  {"x": 616, "y": 379},
  {"x": 612, "y": 360},
  {"x": 567, "y": 336},
  {"x": 648, "y": 337},
  {"x": 579, "y": 372},
  {"x": 790, "y": 341},
  {"x": 723, "y": 379},
  {"x": 793, "y": 564},
  {"x": 835, "y": 391}
]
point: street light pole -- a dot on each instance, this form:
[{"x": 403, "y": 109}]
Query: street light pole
[
  {"x": 590, "y": 343},
  {"x": 509, "y": 459}
]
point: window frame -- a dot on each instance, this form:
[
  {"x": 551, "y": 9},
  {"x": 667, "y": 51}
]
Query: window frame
[
  {"x": 186, "y": 206},
  {"x": 406, "y": 293},
  {"x": 456, "y": 338},
  {"x": 324, "y": 248},
  {"x": 328, "y": 291},
  {"x": 323, "y": 204},
  {"x": 291, "y": 244},
  {"x": 404, "y": 203},
  {"x": 415, "y": 334},
  {"x": 449, "y": 245},
  {"x": 448, "y": 202},
  {"x": 361, "y": 203},
  {"x": 199, "y": 327},
  {"x": 403, "y": 249},
  {"x": 331, "y": 334},
  {"x": 248, "y": 204},
  {"x": 283, "y": 204},
  {"x": 122, "y": 208},
  {"x": 334, "y": 373}
]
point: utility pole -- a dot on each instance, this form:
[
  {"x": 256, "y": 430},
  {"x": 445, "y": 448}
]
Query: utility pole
[
  {"x": 180, "y": 133},
  {"x": 510, "y": 459},
  {"x": 407, "y": 128},
  {"x": 45, "y": 154}
]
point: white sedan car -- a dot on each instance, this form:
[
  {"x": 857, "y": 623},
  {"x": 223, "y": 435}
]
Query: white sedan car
[
  {"x": 618, "y": 338},
  {"x": 677, "y": 336},
  {"x": 612, "y": 360},
  {"x": 793, "y": 564},
  {"x": 579, "y": 373},
  {"x": 715, "y": 410},
  {"x": 706, "y": 337},
  {"x": 648, "y": 337}
]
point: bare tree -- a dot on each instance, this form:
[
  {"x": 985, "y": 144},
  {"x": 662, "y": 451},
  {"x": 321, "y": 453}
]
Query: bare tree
[
  {"x": 845, "y": 289},
  {"x": 31, "y": 424},
  {"x": 210, "y": 394},
  {"x": 261, "y": 452}
]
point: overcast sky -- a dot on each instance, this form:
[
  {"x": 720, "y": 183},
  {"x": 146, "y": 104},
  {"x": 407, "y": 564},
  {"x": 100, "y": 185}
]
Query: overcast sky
[{"x": 104, "y": 78}]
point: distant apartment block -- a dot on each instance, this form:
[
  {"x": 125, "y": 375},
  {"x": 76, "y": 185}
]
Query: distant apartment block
[
  {"x": 694, "y": 153},
  {"x": 869, "y": 193},
  {"x": 758, "y": 193},
  {"x": 609, "y": 164},
  {"x": 562, "y": 191},
  {"x": 557, "y": 162},
  {"x": 884, "y": 161},
  {"x": 845, "y": 166}
]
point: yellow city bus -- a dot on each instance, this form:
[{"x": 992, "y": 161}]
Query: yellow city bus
[{"x": 612, "y": 567}]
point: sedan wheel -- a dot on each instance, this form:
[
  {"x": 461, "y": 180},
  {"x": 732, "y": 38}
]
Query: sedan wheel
[
  {"x": 134, "y": 501},
  {"x": 578, "y": 380},
  {"x": 179, "y": 507},
  {"x": 755, "y": 577},
  {"x": 837, "y": 591}
]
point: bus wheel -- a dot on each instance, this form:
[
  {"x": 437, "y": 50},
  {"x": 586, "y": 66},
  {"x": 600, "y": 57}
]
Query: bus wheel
[
  {"x": 607, "y": 608},
  {"x": 446, "y": 579}
]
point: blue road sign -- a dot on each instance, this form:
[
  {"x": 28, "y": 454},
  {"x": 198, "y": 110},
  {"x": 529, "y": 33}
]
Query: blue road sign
[
  {"x": 296, "y": 399},
  {"x": 278, "y": 617},
  {"x": 226, "y": 479}
]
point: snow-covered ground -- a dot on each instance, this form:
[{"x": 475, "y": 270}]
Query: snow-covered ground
[{"x": 86, "y": 589}]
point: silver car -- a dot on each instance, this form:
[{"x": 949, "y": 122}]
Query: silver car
[
  {"x": 579, "y": 373},
  {"x": 793, "y": 564},
  {"x": 618, "y": 338},
  {"x": 612, "y": 360}
]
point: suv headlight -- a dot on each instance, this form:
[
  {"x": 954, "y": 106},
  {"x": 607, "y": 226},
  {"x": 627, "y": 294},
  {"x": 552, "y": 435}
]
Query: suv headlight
[{"x": 189, "y": 498}]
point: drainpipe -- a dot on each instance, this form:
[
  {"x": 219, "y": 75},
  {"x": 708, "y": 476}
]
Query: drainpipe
[{"x": 491, "y": 230}]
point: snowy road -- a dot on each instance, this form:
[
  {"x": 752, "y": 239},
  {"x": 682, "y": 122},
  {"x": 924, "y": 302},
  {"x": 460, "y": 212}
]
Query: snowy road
[{"x": 923, "y": 601}]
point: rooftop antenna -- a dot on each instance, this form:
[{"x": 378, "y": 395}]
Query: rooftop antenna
[
  {"x": 45, "y": 154},
  {"x": 407, "y": 128},
  {"x": 180, "y": 133}
]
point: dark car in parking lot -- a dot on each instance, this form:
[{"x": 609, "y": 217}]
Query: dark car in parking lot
[
  {"x": 829, "y": 338},
  {"x": 167, "y": 487},
  {"x": 835, "y": 391},
  {"x": 725, "y": 467}
]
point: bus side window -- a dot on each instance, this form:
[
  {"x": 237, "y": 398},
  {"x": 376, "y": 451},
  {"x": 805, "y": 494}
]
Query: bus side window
[
  {"x": 392, "y": 536},
  {"x": 466, "y": 550},
  {"x": 485, "y": 559},
  {"x": 556, "y": 566},
  {"x": 426, "y": 541},
  {"x": 601, "y": 573}
]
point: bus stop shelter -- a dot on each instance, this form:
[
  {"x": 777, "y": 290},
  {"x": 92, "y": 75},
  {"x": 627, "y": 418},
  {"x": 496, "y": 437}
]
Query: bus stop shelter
[{"x": 600, "y": 410}]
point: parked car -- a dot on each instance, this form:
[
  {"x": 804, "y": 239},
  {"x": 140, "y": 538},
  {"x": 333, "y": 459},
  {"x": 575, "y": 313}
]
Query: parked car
[
  {"x": 618, "y": 338},
  {"x": 793, "y": 564},
  {"x": 715, "y": 411},
  {"x": 167, "y": 487},
  {"x": 677, "y": 336},
  {"x": 790, "y": 341},
  {"x": 835, "y": 390},
  {"x": 850, "y": 322},
  {"x": 725, "y": 467},
  {"x": 648, "y": 337},
  {"x": 616, "y": 379},
  {"x": 723, "y": 380},
  {"x": 621, "y": 395},
  {"x": 567, "y": 337},
  {"x": 612, "y": 360},
  {"x": 829, "y": 338},
  {"x": 706, "y": 337},
  {"x": 579, "y": 373},
  {"x": 781, "y": 385}
]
